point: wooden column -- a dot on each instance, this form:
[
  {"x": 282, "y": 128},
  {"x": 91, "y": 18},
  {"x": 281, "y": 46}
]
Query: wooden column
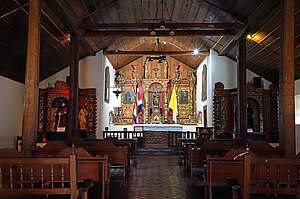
[
  {"x": 286, "y": 78},
  {"x": 241, "y": 81},
  {"x": 73, "y": 86},
  {"x": 30, "y": 114}
]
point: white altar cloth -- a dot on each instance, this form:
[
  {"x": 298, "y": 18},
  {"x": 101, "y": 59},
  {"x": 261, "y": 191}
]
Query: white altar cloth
[{"x": 159, "y": 127}]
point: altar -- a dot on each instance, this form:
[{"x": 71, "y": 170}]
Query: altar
[
  {"x": 159, "y": 127},
  {"x": 156, "y": 79}
]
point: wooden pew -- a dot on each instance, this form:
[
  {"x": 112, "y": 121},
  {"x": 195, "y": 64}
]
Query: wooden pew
[
  {"x": 219, "y": 169},
  {"x": 271, "y": 176},
  {"x": 89, "y": 167},
  {"x": 198, "y": 154},
  {"x": 186, "y": 143},
  {"x": 51, "y": 149},
  {"x": 118, "y": 156},
  {"x": 264, "y": 149},
  {"x": 40, "y": 176}
]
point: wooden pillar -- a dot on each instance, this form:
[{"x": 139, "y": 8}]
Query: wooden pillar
[
  {"x": 241, "y": 81},
  {"x": 286, "y": 78},
  {"x": 73, "y": 86},
  {"x": 30, "y": 115}
]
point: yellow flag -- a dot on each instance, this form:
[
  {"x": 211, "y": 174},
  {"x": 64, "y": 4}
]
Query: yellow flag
[{"x": 173, "y": 101}]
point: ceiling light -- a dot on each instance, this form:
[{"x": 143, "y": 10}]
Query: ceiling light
[
  {"x": 152, "y": 32},
  {"x": 162, "y": 25},
  {"x": 249, "y": 37},
  {"x": 172, "y": 32},
  {"x": 196, "y": 51}
]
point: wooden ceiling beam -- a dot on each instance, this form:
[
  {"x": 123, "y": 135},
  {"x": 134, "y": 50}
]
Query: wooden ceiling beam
[
  {"x": 100, "y": 26},
  {"x": 69, "y": 24},
  {"x": 140, "y": 53},
  {"x": 158, "y": 33}
]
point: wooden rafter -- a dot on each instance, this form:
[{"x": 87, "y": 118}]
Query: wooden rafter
[
  {"x": 158, "y": 33},
  {"x": 140, "y": 53}
]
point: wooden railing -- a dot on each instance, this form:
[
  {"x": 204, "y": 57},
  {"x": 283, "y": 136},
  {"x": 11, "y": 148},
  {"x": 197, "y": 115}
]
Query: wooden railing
[{"x": 172, "y": 136}]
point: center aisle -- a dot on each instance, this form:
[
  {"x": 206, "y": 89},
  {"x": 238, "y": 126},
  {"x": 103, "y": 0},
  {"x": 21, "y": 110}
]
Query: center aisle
[{"x": 156, "y": 177}]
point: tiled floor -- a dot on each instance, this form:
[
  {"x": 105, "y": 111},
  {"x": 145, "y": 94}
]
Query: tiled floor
[{"x": 157, "y": 177}]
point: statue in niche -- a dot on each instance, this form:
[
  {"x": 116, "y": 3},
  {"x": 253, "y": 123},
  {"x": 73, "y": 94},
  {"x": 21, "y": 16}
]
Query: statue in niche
[
  {"x": 82, "y": 120},
  {"x": 155, "y": 101},
  {"x": 177, "y": 72},
  {"x": 61, "y": 118},
  {"x": 250, "y": 121},
  {"x": 134, "y": 72}
]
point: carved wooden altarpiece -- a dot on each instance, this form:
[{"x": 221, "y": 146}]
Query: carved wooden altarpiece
[
  {"x": 263, "y": 104},
  {"x": 156, "y": 80},
  {"x": 50, "y": 100}
]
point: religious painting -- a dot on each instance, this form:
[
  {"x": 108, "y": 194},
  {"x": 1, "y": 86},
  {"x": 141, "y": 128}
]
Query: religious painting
[
  {"x": 204, "y": 83},
  {"x": 107, "y": 85},
  {"x": 127, "y": 97},
  {"x": 183, "y": 97}
]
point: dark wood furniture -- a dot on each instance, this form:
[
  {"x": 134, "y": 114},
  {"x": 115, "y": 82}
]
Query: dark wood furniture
[
  {"x": 40, "y": 176},
  {"x": 219, "y": 169},
  {"x": 198, "y": 154},
  {"x": 271, "y": 176},
  {"x": 89, "y": 167}
]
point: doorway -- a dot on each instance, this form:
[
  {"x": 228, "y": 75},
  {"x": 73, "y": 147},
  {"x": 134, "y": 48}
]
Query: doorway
[{"x": 205, "y": 115}]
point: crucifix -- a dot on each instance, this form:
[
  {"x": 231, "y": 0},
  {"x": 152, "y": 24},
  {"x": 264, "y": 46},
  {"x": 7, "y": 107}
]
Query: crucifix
[{"x": 155, "y": 71}]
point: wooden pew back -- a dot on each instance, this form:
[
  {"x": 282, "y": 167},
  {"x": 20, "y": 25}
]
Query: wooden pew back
[
  {"x": 38, "y": 176},
  {"x": 271, "y": 176}
]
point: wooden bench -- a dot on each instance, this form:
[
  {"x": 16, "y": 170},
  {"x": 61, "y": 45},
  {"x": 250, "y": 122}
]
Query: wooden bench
[
  {"x": 198, "y": 154},
  {"x": 89, "y": 167},
  {"x": 219, "y": 169},
  {"x": 40, "y": 176},
  {"x": 118, "y": 156},
  {"x": 270, "y": 176},
  {"x": 51, "y": 149},
  {"x": 264, "y": 149}
]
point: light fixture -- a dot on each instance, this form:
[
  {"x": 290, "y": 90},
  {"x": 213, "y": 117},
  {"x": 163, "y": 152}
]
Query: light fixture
[
  {"x": 162, "y": 25},
  {"x": 172, "y": 32},
  {"x": 196, "y": 51},
  {"x": 152, "y": 32},
  {"x": 117, "y": 92},
  {"x": 249, "y": 36}
]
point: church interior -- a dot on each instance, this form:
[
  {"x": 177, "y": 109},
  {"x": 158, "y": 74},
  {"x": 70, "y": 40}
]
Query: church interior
[{"x": 150, "y": 99}]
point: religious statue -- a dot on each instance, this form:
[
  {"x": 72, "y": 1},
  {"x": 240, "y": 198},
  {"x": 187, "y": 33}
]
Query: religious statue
[
  {"x": 177, "y": 73},
  {"x": 155, "y": 101},
  {"x": 61, "y": 118},
  {"x": 82, "y": 120},
  {"x": 134, "y": 72},
  {"x": 155, "y": 72}
]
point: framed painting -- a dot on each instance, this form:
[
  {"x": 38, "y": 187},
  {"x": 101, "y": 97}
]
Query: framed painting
[
  {"x": 107, "y": 85},
  {"x": 183, "y": 97},
  {"x": 204, "y": 83},
  {"x": 127, "y": 97}
]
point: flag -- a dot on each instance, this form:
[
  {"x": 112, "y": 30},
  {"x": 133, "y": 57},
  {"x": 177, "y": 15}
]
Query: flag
[
  {"x": 138, "y": 105},
  {"x": 173, "y": 104}
]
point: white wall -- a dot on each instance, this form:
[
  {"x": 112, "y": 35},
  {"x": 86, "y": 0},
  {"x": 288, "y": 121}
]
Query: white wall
[
  {"x": 219, "y": 69},
  {"x": 91, "y": 75},
  {"x": 11, "y": 106},
  {"x": 297, "y": 115},
  {"x": 107, "y": 107}
]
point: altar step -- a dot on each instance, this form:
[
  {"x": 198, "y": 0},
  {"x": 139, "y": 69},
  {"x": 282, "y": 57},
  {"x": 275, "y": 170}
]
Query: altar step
[{"x": 157, "y": 151}]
